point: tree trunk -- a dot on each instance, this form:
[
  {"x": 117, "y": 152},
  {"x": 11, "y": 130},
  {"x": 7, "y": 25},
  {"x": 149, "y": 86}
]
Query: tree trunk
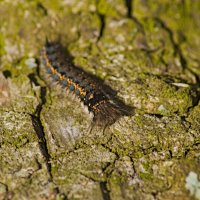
[{"x": 146, "y": 51}]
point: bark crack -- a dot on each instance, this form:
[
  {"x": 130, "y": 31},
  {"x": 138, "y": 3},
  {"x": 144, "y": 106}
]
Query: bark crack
[
  {"x": 102, "y": 26},
  {"x": 39, "y": 129},
  {"x": 176, "y": 47},
  {"x": 103, "y": 186},
  {"x": 129, "y": 8},
  {"x": 37, "y": 124},
  {"x": 104, "y": 190}
]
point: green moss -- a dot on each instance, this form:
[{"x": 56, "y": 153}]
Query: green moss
[
  {"x": 146, "y": 176},
  {"x": 2, "y": 45},
  {"x": 105, "y": 8},
  {"x": 151, "y": 151},
  {"x": 161, "y": 97},
  {"x": 20, "y": 141}
]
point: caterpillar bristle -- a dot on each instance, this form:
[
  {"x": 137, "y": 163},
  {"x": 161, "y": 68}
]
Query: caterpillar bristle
[{"x": 105, "y": 106}]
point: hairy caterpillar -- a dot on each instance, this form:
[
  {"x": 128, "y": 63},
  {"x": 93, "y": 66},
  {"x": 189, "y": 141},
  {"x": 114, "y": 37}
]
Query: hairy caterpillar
[{"x": 104, "y": 105}]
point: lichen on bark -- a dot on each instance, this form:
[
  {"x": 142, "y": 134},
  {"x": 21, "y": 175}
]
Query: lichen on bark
[{"x": 149, "y": 53}]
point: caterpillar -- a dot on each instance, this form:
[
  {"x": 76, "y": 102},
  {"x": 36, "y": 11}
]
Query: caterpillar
[{"x": 103, "y": 104}]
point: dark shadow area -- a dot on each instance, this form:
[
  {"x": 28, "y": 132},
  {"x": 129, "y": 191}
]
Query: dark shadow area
[
  {"x": 104, "y": 190},
  {"x": 7, "y": 74},
  {"x": 102, "y": 27},
  {"x": 41, "y": 7},
  {"x": 129, "y": 8}
]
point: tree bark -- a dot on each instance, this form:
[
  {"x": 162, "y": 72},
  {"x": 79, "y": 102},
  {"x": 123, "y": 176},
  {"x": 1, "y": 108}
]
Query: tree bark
[{"x": 149, "y": 53}]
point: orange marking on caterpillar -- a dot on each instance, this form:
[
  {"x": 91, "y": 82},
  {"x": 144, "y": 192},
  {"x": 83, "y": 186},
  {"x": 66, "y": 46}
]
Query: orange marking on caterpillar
[{"x": 106, "y": 110}]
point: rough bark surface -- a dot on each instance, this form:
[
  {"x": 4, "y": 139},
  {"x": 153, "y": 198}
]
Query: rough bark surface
[{"x": 147, "y": 51}]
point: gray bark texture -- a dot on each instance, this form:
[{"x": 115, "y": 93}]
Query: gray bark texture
[{"x": 147, "y": 51}]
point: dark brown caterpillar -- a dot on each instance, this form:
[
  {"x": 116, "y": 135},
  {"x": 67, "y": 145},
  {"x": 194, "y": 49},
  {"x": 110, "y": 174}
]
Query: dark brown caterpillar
[{"x": 106, "y": 108}]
